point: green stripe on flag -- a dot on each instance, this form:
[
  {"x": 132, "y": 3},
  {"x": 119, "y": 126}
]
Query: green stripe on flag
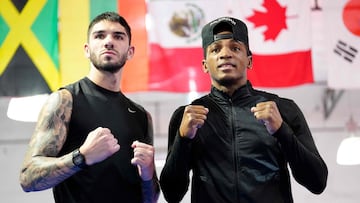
[
  {"x": 4, "y": 30},
  {"x": 97, "y": 7},
  {"x": 45, "y": 28}
]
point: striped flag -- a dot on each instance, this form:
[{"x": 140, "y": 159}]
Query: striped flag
[
  {"x": 74, "y": 21},
  {"x": 75, "y": 17},
  {"x": 342, "y": 27}
]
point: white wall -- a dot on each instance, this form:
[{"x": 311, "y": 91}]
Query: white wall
[{"x": 343, "y": 182}]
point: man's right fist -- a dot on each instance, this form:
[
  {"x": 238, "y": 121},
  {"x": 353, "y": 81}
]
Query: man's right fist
[
  {"x": 193, "y": 118},
  {"x": 99, "y": 145}
]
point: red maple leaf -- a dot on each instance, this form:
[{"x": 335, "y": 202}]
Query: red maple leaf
[{"x": 274, "y": 19}]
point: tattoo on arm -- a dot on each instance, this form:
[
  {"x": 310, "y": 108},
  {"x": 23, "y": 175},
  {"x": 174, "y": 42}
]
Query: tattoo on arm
[{"x": 42, "y": 169}]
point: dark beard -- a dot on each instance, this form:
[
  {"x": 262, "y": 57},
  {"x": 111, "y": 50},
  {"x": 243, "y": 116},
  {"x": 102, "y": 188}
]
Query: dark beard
[{"x": 108, "y": 67}]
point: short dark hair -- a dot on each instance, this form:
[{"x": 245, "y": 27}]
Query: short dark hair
[{"x": 112, "y": 17}]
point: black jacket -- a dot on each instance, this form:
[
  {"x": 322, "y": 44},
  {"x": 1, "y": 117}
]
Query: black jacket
[{"x": 234, "y": 159}]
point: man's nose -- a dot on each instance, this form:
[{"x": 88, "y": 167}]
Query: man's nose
[
  {"x": 109, "y": 42},
  {"x": 225, "y": 52}
]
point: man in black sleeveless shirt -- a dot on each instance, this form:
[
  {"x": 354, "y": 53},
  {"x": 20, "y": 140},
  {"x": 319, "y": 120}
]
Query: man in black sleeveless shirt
[{"x": 92, "y": 143}]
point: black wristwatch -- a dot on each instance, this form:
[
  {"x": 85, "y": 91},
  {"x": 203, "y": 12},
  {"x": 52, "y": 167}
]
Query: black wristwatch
[{"x": 79, "y": 159}]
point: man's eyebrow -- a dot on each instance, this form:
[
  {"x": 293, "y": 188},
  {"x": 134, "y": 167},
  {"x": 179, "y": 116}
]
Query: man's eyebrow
[
  {"x": 103, "y": 31},
  {"x": 97, "y": 32},
  {"x": 120, "y": 33}
]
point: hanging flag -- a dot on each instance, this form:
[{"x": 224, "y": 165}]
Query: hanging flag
[
  {"x": 175, "y": 46},
  {"x": 342, "y": 28},
  {"x": 28, "y": 47},
  {"x": 280, "y": 39},
  {"x": 135, "y": 77},
  {"x": 75, "y": 17},
  {"x": 279, "y": 33}
]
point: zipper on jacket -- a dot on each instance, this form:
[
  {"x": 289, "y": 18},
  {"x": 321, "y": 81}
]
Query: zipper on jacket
[{"x": 234, "y": 149}]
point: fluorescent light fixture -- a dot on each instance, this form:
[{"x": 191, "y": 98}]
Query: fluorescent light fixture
[
  {"x": 26, "y": 109},
  {"x": 349, "y": 150}
]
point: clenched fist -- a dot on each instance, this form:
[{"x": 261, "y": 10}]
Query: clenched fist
[
  {"x": 193, "y": 118},
  {"x": 268, "y": 113},
  {"x": 99, "y": 145},
  {"x": 144, "y": 159}
]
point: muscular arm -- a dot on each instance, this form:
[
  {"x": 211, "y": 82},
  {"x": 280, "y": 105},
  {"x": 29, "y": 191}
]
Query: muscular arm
[
  {"x": 41, "y": 168},
  {"x": 307, "y": 166}
]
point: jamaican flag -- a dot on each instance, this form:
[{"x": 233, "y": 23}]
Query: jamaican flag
[{"x": 28, "y": 47}]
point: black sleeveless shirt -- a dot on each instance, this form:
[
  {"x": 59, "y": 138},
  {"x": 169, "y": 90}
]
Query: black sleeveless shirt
[{"x": 115, "y": 179}]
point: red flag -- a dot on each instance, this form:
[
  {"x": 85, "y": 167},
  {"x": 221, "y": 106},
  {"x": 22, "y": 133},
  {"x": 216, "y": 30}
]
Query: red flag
[{"x": 280, "y": 40}]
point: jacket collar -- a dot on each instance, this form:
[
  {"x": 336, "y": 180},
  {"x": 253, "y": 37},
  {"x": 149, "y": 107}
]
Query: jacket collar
[{"x": 242, "y": 92}]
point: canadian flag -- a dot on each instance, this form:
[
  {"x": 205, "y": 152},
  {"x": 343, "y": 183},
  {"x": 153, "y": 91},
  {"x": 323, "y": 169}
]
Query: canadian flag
[
  {"x": 279, "y": 37},
  {"x": 342, "y": 28}
]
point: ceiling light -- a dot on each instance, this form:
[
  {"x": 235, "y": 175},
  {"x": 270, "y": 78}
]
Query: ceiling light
[
  {"x": 26, "y": 109},
  {"x": 349, "y": 149}
]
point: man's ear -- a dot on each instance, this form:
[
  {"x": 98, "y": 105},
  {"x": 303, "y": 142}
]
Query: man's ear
[
  {"x": 131, "y": 52},
  {"x": 204, "y": 66},
  {"x": 250, "y": 62},
  {"x": 86, "y": 50}
]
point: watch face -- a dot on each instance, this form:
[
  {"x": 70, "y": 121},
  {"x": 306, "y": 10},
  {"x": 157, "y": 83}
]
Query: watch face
[{"x": 78, "y": 160}]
